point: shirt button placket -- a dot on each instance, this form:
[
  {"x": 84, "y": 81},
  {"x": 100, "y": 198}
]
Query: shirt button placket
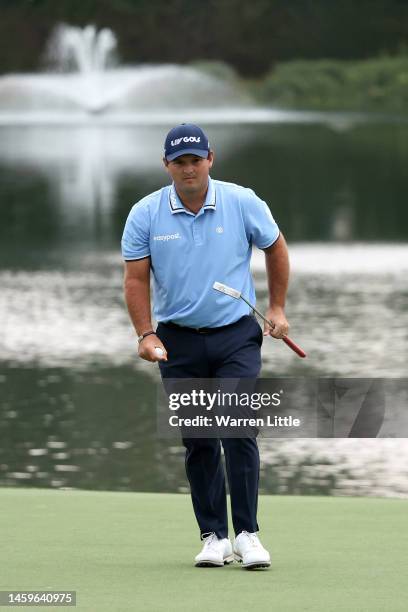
[{"x": 198, "y": 231}]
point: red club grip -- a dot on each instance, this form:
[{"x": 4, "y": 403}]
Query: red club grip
[{"x": 294, "y": 346}]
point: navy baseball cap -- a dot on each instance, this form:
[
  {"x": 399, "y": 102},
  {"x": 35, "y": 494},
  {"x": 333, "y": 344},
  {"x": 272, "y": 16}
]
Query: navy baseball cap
[{"x": 184, "y": 139}]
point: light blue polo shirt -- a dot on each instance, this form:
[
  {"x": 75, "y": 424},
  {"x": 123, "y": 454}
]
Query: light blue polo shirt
[{"x": 189, "y": 252}]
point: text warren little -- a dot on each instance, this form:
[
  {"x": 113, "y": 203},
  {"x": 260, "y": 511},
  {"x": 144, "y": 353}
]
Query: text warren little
[{"x": 228, "y": 421}]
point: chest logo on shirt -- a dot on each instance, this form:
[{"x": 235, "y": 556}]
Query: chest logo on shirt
[
  {"x": 166, "y": 237},
  {"x": 219, "y": 229}
]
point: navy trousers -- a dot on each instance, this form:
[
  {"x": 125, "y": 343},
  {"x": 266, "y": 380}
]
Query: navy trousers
[{"x": 233, "y": 351}]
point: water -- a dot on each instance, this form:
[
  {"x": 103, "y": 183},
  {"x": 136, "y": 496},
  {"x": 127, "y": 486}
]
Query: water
[
  {"x": 85, "y": 50},
  {"x": 75, "y": 153},
  {"x": 76, "y": 401},
  {"x": 71, "y": 313}
]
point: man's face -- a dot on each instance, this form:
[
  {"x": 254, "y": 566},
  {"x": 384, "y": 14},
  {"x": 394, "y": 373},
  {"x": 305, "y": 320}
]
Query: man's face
[{"x": 190, "y": 172}]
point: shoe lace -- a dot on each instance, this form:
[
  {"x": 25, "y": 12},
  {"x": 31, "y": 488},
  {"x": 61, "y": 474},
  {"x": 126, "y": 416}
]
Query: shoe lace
[
  {"x": 210, "y": 540},
  {"x": 253, "y": 538}
]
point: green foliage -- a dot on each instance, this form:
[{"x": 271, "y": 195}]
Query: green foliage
[{"x": 379, "y": 85}]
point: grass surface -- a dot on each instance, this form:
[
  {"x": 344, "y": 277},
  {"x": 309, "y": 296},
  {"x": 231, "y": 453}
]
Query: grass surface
[{"x": 134, "y": 551}]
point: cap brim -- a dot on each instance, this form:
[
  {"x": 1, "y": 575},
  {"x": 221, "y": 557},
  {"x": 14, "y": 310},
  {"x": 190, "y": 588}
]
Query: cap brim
[{"x": 199, "y": 152}]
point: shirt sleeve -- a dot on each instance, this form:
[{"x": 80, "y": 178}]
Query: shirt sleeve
[
  {"x": 260, "y": 226},
  {"x": 136, "y": 235}
]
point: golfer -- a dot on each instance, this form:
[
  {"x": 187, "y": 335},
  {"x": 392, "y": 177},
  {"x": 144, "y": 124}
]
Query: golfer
[{"x": 188, "y": 235}]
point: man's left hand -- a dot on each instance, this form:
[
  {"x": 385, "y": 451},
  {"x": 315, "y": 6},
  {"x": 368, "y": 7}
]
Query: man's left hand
[{"x": 276, "y": 315}]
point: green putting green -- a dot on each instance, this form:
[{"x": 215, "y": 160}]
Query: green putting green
[{"x": 134, "y": 551}]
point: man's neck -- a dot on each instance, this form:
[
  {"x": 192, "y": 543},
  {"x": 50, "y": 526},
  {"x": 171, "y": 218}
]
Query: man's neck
[{"x": 193, "y": 202}]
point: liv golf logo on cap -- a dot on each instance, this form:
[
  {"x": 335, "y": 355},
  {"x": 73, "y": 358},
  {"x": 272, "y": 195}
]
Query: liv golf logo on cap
[{"x": 185, "y": 139}]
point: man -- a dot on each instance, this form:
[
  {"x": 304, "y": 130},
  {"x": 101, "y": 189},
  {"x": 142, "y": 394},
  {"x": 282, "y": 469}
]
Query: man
[{"x": 189, "y": 235}]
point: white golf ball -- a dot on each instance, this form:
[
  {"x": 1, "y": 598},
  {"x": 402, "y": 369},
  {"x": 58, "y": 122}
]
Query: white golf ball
[{"x": 159, "y": 351}]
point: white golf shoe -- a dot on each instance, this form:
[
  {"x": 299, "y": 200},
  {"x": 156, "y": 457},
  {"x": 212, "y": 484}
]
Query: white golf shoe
[
  {"x": 215, "y": 553},
  {"x": 249, "y": 551}
]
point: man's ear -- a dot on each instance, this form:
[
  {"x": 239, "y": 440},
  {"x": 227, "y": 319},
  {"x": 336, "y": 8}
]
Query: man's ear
[
  {"x": 211, "y": 158},
  {"x": 165, "y": 162}
]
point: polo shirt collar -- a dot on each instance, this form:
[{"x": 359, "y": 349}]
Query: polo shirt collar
[{"x": 176, "y": 205}]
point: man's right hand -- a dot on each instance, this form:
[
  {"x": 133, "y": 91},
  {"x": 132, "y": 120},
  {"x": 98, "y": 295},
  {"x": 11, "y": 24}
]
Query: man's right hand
[{"x": 148, "y": 346}]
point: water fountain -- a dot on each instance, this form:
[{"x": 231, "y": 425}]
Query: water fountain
[
  {"x": 71, "y": 123},
  {"x": 86, "y": 120},
  {"x": 84, "y": 81},
  {"x": 84, "y": 84},
  {"x": 84, "y": 50}
]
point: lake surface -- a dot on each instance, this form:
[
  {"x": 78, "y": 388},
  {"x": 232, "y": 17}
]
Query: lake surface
[{"x": 76, "y": 402}]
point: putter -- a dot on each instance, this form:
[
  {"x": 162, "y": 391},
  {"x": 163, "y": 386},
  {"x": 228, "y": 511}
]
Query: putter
[{"x": 237, "y": 295}]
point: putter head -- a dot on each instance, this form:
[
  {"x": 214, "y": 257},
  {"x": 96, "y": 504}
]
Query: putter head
[{"x": 227, "y": 290}]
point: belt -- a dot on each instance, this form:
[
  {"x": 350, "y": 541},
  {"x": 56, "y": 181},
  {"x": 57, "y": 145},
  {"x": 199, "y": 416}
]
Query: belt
[{"x": 198, "y": 330}]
